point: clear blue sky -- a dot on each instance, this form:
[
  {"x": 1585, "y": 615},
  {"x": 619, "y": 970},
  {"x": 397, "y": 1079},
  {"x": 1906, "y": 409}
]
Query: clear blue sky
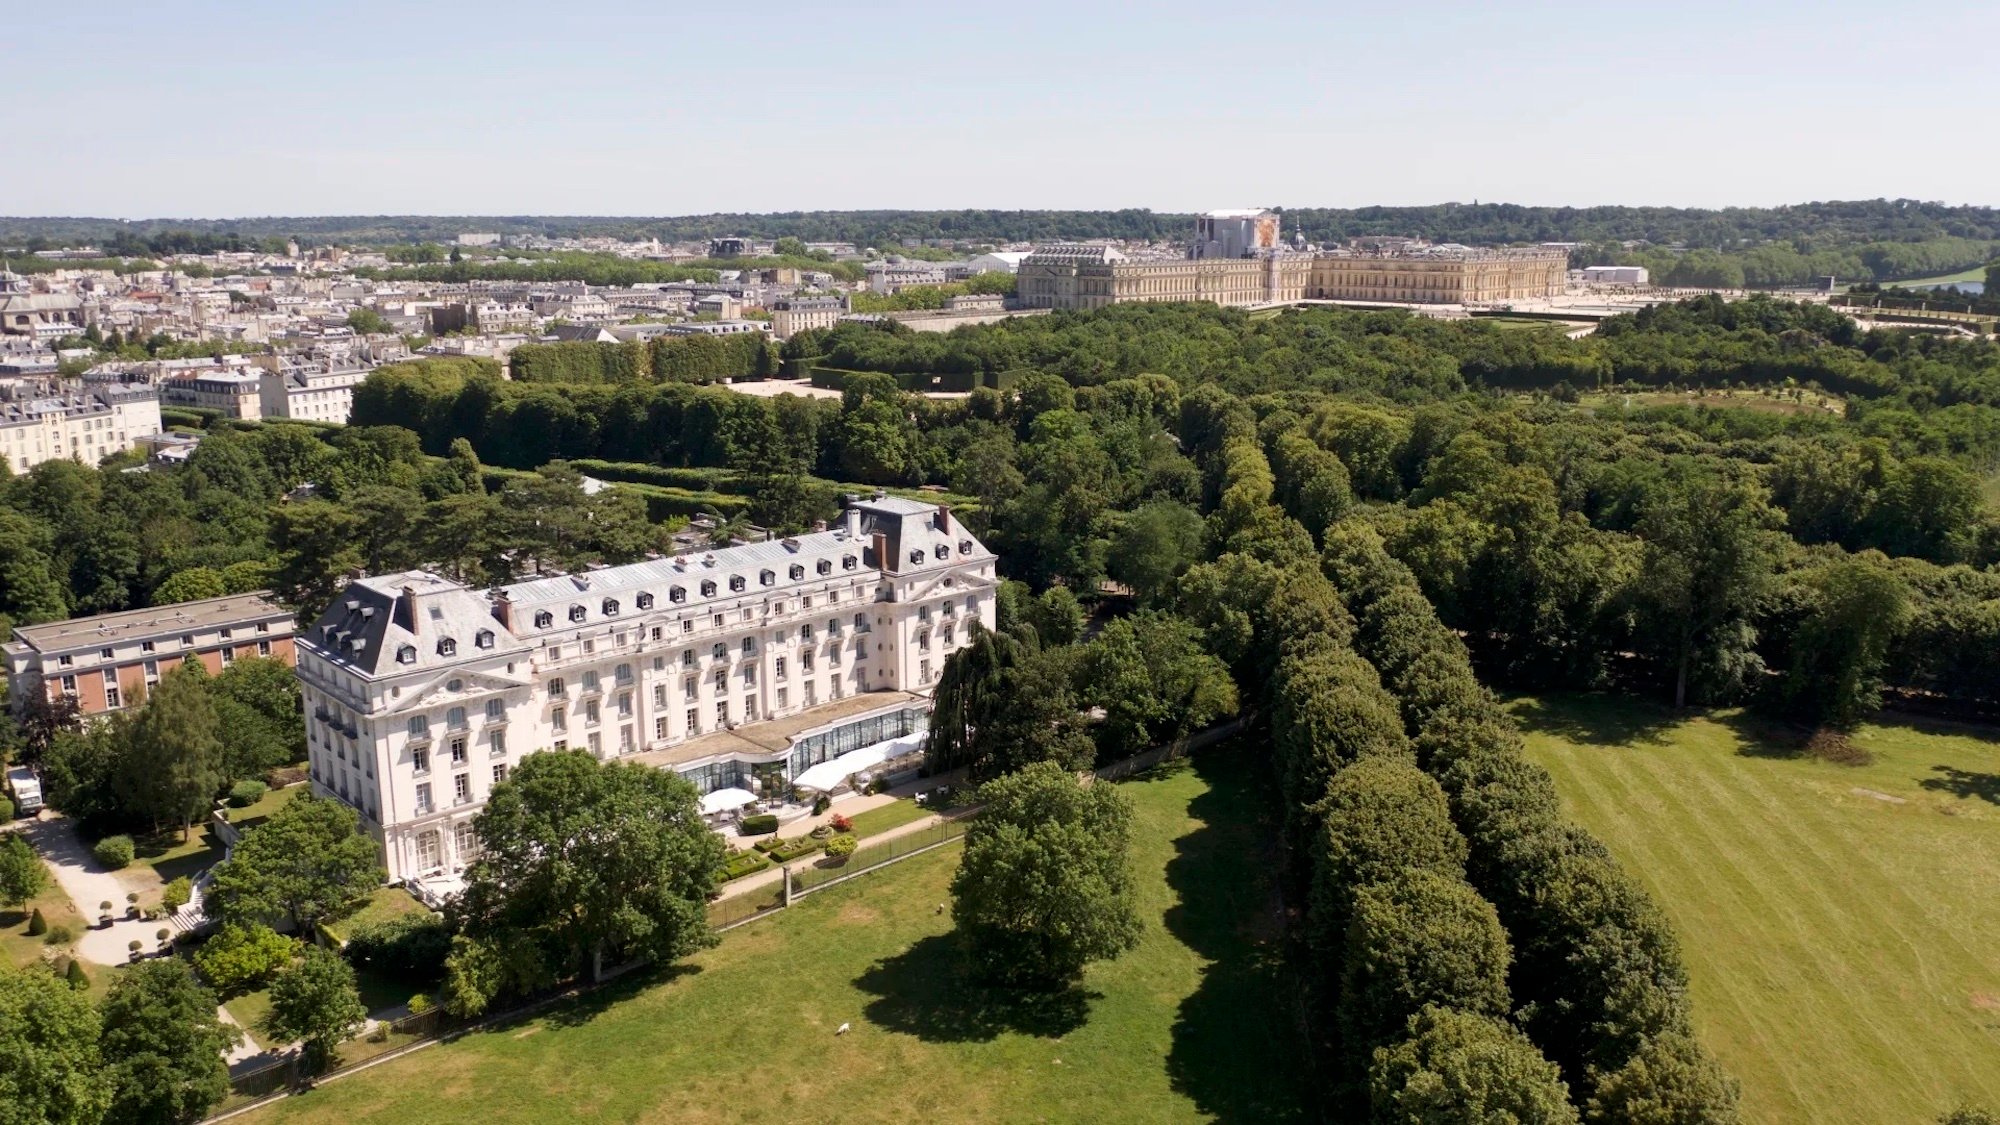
[{"x": 202, "y": 108}]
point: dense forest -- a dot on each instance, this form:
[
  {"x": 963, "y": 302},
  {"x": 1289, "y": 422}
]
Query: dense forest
[
  {"x": 1326, "y": 518},
  {"x": 1879, "y": 239}
]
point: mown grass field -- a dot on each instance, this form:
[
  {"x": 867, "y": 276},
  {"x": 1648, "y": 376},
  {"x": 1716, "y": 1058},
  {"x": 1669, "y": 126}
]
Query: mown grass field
[
  {"x": 1841, "y": 924},
  {"x": 1191, "y": 1026}
]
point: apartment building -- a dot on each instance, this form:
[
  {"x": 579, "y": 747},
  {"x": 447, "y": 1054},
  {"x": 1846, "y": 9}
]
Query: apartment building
[
  {"x": 235, "y": 393},
  {"x": 318, "y": 391},
  {"x": 109, "y": 661},
  {"x": 50, "y": 421},
  {"x": 421, "y": 693},
  {"x": 792, "y": 315}
]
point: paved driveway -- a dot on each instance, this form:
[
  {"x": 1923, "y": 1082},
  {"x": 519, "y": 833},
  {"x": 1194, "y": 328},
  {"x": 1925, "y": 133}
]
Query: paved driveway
[{"x": 88, "y": 883}]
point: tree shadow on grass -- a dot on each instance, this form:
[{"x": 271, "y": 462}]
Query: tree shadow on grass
[
  {"x": 1237, "y": 1043},
  {"x": 924, "y": 991},
  {"x": 1599, "y": 720},
  {"x": 1964, "y": 783}
]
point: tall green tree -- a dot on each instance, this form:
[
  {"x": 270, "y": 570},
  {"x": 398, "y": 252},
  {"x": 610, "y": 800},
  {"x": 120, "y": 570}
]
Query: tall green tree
[
  {"x": 173, "y": 762},
  {"x": 315, "y": 1001},
  {"x": 1002, "y": 703},
  {"x": 22, "y": 875},
  {"x": 1418, "y": 938},
  {"x": 1153, "y": 680},
  {"x": 303, "y": 864},
  {"x": 1154, "y": 546},
  {"x": 1855, "y": 610},
  {"x": 1710, "y": 549},
  {"x": 51, "y": 1070},
  {"x": 581, "y": 861},
  {"x": 1669, "y": 1081},
  {"x": 164, "y": 1045},
  {"x": 1044, "y": 887},
  {"x": 1454, "y": 1067}
]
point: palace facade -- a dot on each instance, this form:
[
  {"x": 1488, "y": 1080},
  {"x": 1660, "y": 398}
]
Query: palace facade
[{"x": 420, "y": 693}]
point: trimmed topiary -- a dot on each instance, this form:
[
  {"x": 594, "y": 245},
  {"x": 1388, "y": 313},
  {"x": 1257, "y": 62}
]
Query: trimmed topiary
[
  {"x": 37, "y": 925},
  {"x": 77, "y": 978},
  {"x": 248, "y": 792}
]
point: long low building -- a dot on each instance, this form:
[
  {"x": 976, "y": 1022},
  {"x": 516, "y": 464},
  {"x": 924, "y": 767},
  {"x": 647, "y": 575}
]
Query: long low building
[
  {"x": 420, "y": 693},
  {"x": 1092, "y": 277},
  {"x": 65, "y": 421},
  {"x": 109, "y": 662}
]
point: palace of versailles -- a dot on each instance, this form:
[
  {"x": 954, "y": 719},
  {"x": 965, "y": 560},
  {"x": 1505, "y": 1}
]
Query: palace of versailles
[
  {"x": 420, "y": 693},
  {"x": 1237, "y": 259}
]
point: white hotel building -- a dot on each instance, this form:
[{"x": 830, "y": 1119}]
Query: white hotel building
[{"x": 421, "y": 693}]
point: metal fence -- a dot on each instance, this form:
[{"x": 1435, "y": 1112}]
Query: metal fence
[
  {"x": 825, "y": 872},
  {"x": 382, "y": 1039}
]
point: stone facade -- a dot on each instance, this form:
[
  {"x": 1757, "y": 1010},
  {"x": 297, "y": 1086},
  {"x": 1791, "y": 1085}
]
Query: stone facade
[
  {"x": 1091, "y": 277},
  {"x": 420, "y": 693},
  {"x": 1439, "y": 276}
]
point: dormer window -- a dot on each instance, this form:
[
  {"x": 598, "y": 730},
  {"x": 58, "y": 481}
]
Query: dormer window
[
  {"x": 736, "y": 583},
  {"x": 766, "y": 577},
  {"x": 576, "y": 613},
  {"x": 708, "y": 589},
  {"x": 916, "y": 555},
  {"x": 483, "y": 639},
  {"x": 825, "y": 566},
  {"x": 447, "y": 647},
  {"x": 610, "y": 607},
  {"x": 942, "y": 551},
  {"x": 645, "y": 601},
  {"x": 965, "y": 546},
  {"x": 406, "y": 654},
  {"x": 677, "y": 594},
  {"x": 797, "y": 572},
  {"x": 544, "y": 619},
  {"x": 847, "y": 562}
]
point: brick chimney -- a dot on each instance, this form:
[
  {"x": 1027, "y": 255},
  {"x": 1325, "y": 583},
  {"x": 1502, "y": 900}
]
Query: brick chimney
[{"x": 503, "y": 610}]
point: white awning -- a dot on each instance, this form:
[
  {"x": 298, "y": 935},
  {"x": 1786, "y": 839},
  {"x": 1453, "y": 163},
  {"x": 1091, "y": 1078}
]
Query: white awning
[
  {"x": 829, "y": 774},
  {"x": 722, "y": 800}
]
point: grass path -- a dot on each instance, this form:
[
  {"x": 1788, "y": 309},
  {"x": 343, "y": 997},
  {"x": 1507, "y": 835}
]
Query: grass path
[
  {"x": 1191, "y": 1026},
  {"x": 1841, "y": 924}
]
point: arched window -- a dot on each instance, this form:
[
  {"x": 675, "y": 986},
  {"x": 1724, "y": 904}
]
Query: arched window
[
  {"x": 544, "y": 619},
  {"x": 483, "y": 638},
  {"x": 645, "y": 601},
  {"x": 765, "y": 577},
  {"x": 847, "y": 562},
  {"x": 825, "y": 566},
  {"x": 797, "y": 572},
  {"x": 707, "y": 589},
  {"x": 677, "y": 594},
  {"x": 406, "y": 654},
  {"x": 610, "y": 607},
  {"x": 447, "y": 647},
  {"x": 576, "y": 613},
  {"x": 942, "y": 551},
  {"x": 736, "y": 583}
]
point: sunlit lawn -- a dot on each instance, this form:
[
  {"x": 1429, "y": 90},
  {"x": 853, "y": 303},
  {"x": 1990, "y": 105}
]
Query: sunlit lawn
[
  {"x": 884, "y": 817},
  {"x": 1841, "y": 924},
  {"x": 1191, "y": 1026}
]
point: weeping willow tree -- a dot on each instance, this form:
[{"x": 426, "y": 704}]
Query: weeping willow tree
[{"x": 1003, "y": 703}]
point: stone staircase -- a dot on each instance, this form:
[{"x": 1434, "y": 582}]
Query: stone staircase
[{"x": 190, "y": 919}]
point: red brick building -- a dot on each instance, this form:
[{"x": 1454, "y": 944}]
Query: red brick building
[{"x": 110, "y": 661}]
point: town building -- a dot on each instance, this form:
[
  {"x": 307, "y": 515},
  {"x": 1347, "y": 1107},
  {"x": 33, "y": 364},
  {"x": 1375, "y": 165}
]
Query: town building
[
  {"x": 421, "y": 694},
  {"x": 232, "y": 393},
  {"x": 793, "y": 315},
  {"x": 315, "y": 391},
  {"x": 109, "y": 662},
  {"x": 46, "y": 421},
  {"x": 715, "y": 328}
]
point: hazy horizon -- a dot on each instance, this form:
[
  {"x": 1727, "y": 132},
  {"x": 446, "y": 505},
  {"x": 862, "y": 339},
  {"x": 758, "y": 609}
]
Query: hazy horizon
[{"x": 211, "y": 109}]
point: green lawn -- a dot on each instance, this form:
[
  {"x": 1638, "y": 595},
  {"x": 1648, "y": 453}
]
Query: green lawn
[
  {"x": 885, "y": 817},
  {"x": 57, "y": 910},
  {"x": 170, "y": 857},
  {"x": 255, "y": 813},
  {"x": 1976, "y": 273},
  {"x": 1839, "y": 922},
  {"x": 1190, "y": 1026},
  {"x": 249, "y": 1009},
  {"x": 385, "y": 903}
]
